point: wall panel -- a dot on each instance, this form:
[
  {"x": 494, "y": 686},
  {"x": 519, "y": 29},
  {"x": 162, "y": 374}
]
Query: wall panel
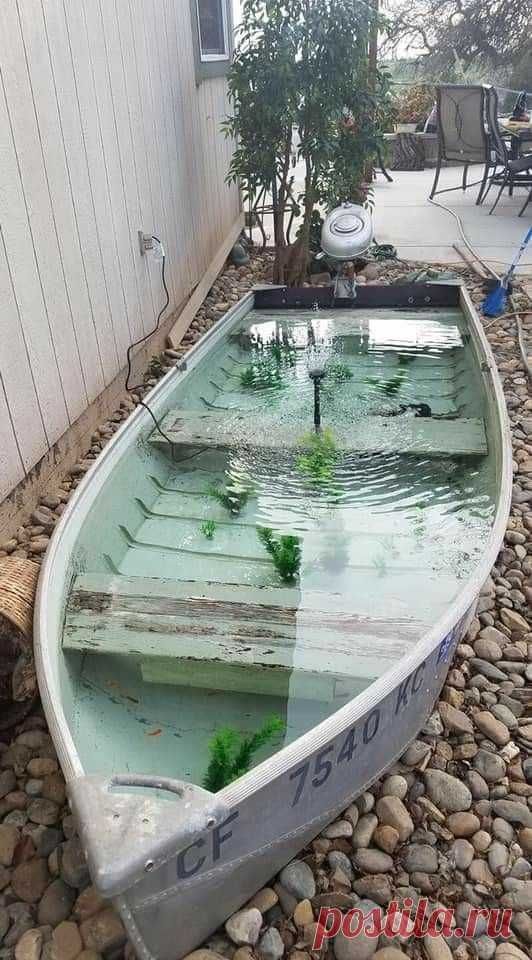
[{"x": 103, "y": 131}]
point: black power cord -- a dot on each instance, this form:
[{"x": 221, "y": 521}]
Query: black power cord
[{"x": 140, "y": 386}]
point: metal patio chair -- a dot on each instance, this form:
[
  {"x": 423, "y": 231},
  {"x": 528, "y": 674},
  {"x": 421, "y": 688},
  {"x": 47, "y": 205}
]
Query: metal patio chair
[
  {"x": 465, "y": 116},
  {"x": 522, "y": 165}
]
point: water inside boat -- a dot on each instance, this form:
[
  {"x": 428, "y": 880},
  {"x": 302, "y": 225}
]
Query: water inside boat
[{"x": 183, "y": 617}]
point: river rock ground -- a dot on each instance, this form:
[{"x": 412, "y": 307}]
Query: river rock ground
[{"x": 451, "y": 821}]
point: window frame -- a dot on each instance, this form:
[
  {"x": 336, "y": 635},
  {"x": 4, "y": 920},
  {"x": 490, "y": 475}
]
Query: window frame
[{"x": 209, "y": 65}]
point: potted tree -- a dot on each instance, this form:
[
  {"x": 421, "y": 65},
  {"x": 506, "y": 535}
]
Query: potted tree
[{"x": 302, "y": 88}]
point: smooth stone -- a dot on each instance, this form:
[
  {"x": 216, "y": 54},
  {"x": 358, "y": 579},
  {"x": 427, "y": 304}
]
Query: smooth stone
[
  {"x": 481, "y": 841},
  {"x": 361, "y": 947},
  {"x": 287, "y": 901},
  {"x": 498, "y": 857},
  {"x": 505, "y": 715},
  {"x": 492, "y": 728},
  {"x": 44, "y": 812},
  {"x": 375, "y": 887},
  {"x": 514, "y": 811},
  {"x": 525, "y": 839},
  {"x": 340, "y": 828},
  {"x": 364, "y": 830},
  {"x": 520, "y": 898},
  {"x": 454, "y": 720},
  {"x": 365, "y": 802},
  {"x": 56, "y": 903},
  {"x": 298, "y": 879},
  {"x": 485, "y": 947},
  {"x": 244, "y": 926},
  {"x": 420, "y": 858},
  {"x": 66, "y": 940},
  {"x": 462, "y": 854},
  {"x": 30, "y": 879},
  {"x": 270, "y": 945},
  {"x": 395, "y": 786},
  {"x": 478, "y": 786},
  {"x": 372, "y": 861},
  {"x": 201, "y": 954},
  {"x": 479, "y": 872},
  {"x": 491, "y": 766},
  {"x": 104, "y": 932},
  {"x": 8, "y": 782},
  {"x": 303, "y": 914},
  {"x": 264, "y": 900},
  {"x": 29, "y": 946},
  {"x": 4, "y": 923},
  {"x": 447, "y": 792},
  {"x": 416, "y": 753},
  {"x": 487, "y": 649},
  {"x": 514, "y": 621},
  {"x": 74, "y": 869},
  {"x": 494, "y": 636},
  {"x": 391, "y": 811},
  {"x": 338, "y": 860},
  {"x": 463, "y": 824},
  {"x": 22, "y": 919},
  {"x": 509, "y": 951},
  {"x": 41, "y": 767},
  {"x": 390, "y": 953},
  {"x": 436, "y": 948},
  {"x": 386, "y": 838},
  {"x": 521, "y": 869},
  {"x": 9, "y": 837}
]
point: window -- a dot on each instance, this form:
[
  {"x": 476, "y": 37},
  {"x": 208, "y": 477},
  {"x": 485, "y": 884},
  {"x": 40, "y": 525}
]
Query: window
[{"x": 213, "y": 30}]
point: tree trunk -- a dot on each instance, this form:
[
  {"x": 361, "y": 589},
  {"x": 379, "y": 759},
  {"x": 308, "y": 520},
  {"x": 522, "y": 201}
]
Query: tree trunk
[{"x": 299, "y": 257}]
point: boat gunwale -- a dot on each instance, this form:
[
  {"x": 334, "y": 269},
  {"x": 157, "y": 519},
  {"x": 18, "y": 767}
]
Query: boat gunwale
[{"x": 47, "y": 648}]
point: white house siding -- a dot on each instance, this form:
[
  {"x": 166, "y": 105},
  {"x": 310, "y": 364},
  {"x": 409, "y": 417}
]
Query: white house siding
[{"x": 103, "y": 132}]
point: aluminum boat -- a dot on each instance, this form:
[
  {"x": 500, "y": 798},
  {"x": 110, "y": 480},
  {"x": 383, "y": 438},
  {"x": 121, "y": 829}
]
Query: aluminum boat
[{"x": 303, "y": 535}]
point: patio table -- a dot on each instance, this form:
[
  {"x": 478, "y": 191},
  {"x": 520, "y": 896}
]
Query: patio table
[{"x": 517, "y": 134}]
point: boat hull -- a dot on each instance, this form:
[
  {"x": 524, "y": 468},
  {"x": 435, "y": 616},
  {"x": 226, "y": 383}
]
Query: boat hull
[
  {"x": 171, "y": 902},
  {"x": 168, "y": 913}
]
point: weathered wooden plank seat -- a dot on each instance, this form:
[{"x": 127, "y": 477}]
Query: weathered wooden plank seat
[
  {"x": 221, "y": 636},
  {"x": 423, "y": 436}
]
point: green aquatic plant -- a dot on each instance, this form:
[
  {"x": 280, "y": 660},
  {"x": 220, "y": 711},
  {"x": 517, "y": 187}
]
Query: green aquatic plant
[
  {"x": 419, "y": 521},
  {"x": 406, "y": 359},
  {"x": 281, "y": 353},
  {"x": 260, "y": 374},
  {"x": 232, "y": 498},
  {"x": 338, "y": 372},
  {"x": 284, "y": 550},
  {"x": 208, "y": 529},
  {"x": 231, "y": 752},
  {"x": 319, "y": 456},
  {"x": 389, "y": 387}
]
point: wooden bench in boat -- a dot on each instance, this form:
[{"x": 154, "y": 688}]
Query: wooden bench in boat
[
  {"x": 423, "y": 436},
  {"x": 228, "y": 637}
]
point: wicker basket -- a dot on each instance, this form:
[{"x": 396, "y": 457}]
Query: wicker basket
[{"x": 18, "y": 582}]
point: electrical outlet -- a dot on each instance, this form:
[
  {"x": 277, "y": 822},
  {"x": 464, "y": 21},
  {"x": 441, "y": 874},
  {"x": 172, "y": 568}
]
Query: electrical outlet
[{"x": 145, "y": 242}]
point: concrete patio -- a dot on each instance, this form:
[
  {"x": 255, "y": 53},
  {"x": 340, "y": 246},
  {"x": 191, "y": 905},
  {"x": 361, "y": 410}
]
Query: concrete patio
[{"x": 422, "y": 231}]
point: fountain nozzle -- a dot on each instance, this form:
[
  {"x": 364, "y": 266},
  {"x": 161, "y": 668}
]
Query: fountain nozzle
[{"x": 317, "y": 374}]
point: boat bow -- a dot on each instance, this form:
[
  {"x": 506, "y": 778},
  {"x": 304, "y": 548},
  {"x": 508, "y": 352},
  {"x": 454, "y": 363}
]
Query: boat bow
[{"x": 127, "y": 835}]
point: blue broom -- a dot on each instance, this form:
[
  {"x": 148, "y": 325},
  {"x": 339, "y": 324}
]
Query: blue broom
[{"x": 495, "y": 302}]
